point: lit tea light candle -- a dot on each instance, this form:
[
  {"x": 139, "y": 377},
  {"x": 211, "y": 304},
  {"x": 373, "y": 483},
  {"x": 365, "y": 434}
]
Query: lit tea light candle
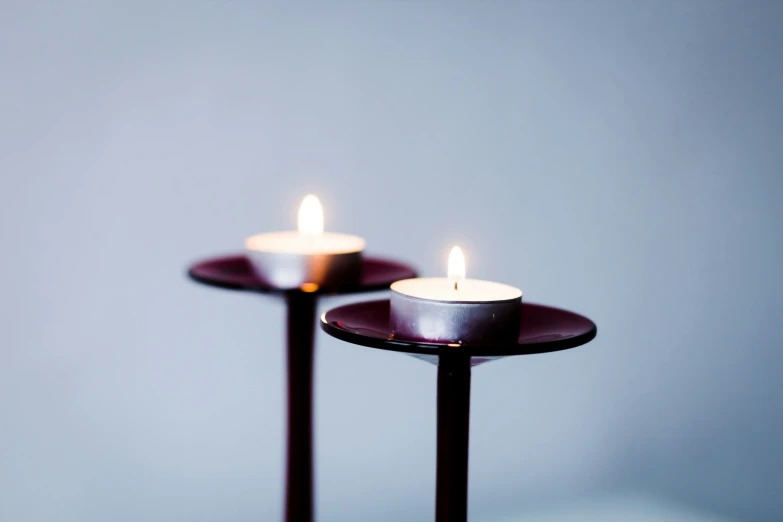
[
  {"x": 454, "y": 309},
  {"x": 308, "y": 258}
]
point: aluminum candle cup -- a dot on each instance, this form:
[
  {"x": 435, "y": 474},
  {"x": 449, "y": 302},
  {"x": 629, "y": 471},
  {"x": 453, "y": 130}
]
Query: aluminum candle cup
[
  {"x": 469, "y": 311},
  {"x": 291, "y": 259},
  {"x": 309, "y": 258}
]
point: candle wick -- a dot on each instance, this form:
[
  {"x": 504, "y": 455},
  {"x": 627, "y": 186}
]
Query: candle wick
[{"x": 455, "y": 285}]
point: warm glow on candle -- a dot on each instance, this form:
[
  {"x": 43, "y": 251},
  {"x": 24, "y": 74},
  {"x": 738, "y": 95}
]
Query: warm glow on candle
[
  {"x": 456, "y": 264},
  {"x": 311, "y": 216}
]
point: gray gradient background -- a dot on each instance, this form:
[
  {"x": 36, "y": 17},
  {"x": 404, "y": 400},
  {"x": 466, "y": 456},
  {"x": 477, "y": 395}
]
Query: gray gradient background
[{"x": 618, "y": 158}]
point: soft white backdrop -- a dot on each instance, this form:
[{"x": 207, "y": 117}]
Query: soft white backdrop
[{"x": 618, "y": 158}]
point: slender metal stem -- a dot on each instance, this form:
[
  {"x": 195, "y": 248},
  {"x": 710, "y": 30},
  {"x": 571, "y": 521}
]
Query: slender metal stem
[
  {"x": 299, "y": 472},
  {"x": 451, "y": 497}
]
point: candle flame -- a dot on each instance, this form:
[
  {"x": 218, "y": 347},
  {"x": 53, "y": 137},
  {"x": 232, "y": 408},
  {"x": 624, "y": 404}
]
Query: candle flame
[
  {"x": 456, "y": 264},
  {"x": 311, "y": 216}
]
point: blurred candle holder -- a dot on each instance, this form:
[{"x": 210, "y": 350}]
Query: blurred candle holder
[
  {"x": 308, "y": 256},
  {"x": 300, "y": 267}
]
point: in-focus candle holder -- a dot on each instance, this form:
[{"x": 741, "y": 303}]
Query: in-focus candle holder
[
  {"x": 236, "y": 273},
  {"x": 543, "y": 329}
]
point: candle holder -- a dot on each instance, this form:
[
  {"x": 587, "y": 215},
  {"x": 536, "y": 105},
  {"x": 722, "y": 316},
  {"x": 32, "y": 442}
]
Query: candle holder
[
  {"x": 236, "y": 273},
  {"x": 543, "y": 329}
]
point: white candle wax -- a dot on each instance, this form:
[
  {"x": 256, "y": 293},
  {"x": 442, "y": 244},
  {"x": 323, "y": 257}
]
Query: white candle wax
[
  {"x": 293, "y": 242},
  {"x": 466, "y": 291}
]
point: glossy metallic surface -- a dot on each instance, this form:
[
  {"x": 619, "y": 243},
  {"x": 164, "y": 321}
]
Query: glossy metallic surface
[
  {"x": 286, "y": 270},
  {"x": 416, "y": 319}
]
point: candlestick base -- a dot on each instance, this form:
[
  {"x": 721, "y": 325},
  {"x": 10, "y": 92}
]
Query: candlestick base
[
  {"x": 236, "y": 273},
  {"x": 543, "y": 329}
]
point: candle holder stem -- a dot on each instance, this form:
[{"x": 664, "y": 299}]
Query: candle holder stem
[
  {"x": 299, "y": 472},
  {"x": 453, "y": 425},
  {"x": 542, "y": 329}
]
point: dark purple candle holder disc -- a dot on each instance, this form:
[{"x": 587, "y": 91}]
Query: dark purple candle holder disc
[
  {"x": 543, "y": 329},
  {"x": 235, "y": 273}
]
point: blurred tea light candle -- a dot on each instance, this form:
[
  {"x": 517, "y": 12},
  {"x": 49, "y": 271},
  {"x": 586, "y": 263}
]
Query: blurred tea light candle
[
  {"x": 454, "y": 309},
  {"x": 308, "y": 258}
]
